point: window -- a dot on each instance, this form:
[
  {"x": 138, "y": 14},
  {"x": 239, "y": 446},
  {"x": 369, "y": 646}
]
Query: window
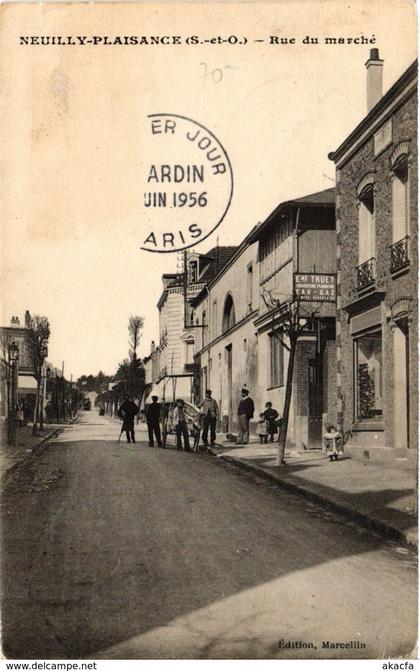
[
  {"x": 368, "y": 376},
  {"x": 366, "y": 224},
  {"x": 276, "y": 361},
  {"x": 228, "y": 314},
  {"x": 366, "y": 270},
  {"x": 400, "y": 209},
  {"x": 203, "y": 329},
  {"x": 214, "y": 319},
  {"x": 249, "y": 282},
  {"x": 400, "y": 200},
  {"x": 189, "y": 354},
  {"x": 193, "y": 274}
]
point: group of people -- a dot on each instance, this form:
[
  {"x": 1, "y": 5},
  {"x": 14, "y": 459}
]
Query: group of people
[
  {"x": 209, "y": 417},
  {"x": 268, "y": 422}
]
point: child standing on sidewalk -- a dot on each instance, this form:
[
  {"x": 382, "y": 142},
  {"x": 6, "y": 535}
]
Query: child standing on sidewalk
[{"x": 262, "y": 429}]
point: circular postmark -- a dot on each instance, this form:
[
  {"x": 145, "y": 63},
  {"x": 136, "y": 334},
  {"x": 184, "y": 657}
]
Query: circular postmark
[{"x": 188, "y": 183}]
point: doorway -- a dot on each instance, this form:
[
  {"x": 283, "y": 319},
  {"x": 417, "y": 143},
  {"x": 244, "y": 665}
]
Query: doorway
[
  {"x": 401, "y": 384},
  {"x": 229, "y": 384},
  {"x": 315, "y": 402}
]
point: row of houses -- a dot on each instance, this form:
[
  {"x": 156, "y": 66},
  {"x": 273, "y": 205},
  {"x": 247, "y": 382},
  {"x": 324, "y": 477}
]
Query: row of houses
[
  {"x": 23, "y": 385},
  {"x": 349, "y": 256},
  {"x": 23, "y": 377}
]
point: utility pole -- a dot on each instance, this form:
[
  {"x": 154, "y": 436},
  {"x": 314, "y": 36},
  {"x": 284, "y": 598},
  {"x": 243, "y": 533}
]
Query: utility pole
[
  {"x": 63, "y": 408},
  {"x": 70, "y": 401}
]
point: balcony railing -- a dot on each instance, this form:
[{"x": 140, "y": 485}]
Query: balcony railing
[
  {"x": 399, "y": 255},
  {"x": 366, "y": 274}
]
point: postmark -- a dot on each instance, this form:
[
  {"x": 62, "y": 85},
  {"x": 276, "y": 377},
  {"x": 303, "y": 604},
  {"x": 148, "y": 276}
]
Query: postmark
[{"x": 187, "y": 180}]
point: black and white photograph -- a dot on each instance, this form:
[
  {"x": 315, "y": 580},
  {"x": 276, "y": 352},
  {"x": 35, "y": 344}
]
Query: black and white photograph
[{"x": 209, "y": 332}]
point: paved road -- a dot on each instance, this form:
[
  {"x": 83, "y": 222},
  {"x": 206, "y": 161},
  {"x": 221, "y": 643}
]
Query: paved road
[{"x": 122, "y": 551}]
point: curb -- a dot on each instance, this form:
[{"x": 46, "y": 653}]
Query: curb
[
  {"x": 380, "y": 527},
  {"x": 36, "y": 450}
]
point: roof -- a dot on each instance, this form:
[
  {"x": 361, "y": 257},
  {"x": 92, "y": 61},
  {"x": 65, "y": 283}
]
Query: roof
[
  {"x": 324, "y": 198},
  {"x": 217, "y": 256},
  {"x": 220, "y": 256},
  {"x": 221, "y": 269},
  {"x": 379, "y": 109}
]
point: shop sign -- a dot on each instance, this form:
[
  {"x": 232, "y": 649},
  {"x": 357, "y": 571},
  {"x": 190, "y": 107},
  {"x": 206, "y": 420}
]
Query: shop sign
[{"x": 315, "y": 287}]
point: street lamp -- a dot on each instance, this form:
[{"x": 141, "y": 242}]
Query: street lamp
[
  {"x": 13, "y": 352},
  {"x": 13, "y": 355},
  {"x": 44, "y": 377}
]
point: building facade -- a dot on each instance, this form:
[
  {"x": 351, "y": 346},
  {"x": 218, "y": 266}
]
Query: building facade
[
  {"x": 170, "y": 370},
  {"x": 297, "y": 250},
  {"x": 24, "y": 381},
  {"x": 226, "y": 346},
  {"x": 240, "y": 347},
  {"x": 377, "y": 265}
]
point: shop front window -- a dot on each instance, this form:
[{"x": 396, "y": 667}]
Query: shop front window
[{"x": 368, "y": 360}]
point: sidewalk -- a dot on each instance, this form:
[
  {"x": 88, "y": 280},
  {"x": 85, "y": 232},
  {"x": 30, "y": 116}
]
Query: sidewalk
[
  {"x": 26, "y": 445},
  {"x": 374, "y": 495}
]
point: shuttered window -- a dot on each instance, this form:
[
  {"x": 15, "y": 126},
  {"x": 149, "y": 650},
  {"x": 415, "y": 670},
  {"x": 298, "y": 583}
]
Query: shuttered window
[
  {"x": 276, "y": 361},
  {"x": 400, "y": 200},
  {"x": 366, "y": 225}
]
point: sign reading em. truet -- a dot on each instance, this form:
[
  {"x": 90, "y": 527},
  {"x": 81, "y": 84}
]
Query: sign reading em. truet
[{"x": 315, "y": 287}]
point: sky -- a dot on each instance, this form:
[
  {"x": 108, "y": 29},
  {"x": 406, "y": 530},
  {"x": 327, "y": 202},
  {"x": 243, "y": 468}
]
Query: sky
[{"x": 75, "y": 144}]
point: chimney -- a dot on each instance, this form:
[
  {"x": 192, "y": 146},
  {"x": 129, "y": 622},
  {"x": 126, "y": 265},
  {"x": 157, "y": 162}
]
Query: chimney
[
  {"x": 374, "y": 67},
  {"x": 15, "y": 321}
]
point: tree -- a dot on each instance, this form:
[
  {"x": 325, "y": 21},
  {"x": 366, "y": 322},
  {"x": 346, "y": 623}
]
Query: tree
[
  {"x": 289, "y": 322},
  {"x": 131, "y": 378},
  {"x": 136, "y": 375},
  {"x": 135, "y": 325},
  {"x": 41, "y": 330}
]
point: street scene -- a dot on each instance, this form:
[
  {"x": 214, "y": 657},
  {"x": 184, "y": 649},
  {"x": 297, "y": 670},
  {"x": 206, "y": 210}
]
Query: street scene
[
  {"x": 209, "y": 336},
  {"x": 171, "y": 555}
]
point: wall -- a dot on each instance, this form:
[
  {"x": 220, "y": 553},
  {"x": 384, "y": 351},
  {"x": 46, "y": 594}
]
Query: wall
[
  {"x": 317, "y": 242},
  {"x": 171, "y": 327},
  {"x": 241, "y": 338},
  {"x": 349, "y": 176}
]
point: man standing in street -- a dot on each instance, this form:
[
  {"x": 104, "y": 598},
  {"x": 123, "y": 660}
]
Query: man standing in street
[
  {"x": 153, "y": 426},
  {"x": 181, "y": 426},
  {"x": 245, "y": 413},
  {"x": 210, "y": 416},
  {"x": 127, "y": 412}
]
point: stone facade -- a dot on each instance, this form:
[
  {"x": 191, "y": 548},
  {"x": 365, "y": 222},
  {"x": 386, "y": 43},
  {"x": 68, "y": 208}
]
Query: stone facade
[{"x": 379, "y": 407}]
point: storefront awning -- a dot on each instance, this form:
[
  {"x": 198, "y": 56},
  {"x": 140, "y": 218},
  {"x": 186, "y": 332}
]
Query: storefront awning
[{"x": 26, "y": 383}]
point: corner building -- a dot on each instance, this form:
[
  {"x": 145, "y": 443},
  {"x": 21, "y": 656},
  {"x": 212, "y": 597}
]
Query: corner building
[{"x": 377, "y": 270}]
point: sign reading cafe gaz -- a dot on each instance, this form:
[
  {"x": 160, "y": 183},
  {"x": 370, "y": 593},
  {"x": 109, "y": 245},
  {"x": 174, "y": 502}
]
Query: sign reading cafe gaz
[{"x": 315, "y": 287}]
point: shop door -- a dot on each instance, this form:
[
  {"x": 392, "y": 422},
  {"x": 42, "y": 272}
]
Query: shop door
[{"x": 315, "y": 405}]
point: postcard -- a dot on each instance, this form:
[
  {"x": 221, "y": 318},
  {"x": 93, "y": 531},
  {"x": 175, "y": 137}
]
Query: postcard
[{"x": 209, "y": 365}]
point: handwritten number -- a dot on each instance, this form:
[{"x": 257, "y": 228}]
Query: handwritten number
[{"x": 215, "y": 75}]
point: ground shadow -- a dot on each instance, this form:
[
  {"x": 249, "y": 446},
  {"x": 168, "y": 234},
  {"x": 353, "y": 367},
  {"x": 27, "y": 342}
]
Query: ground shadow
[{"x": 130, "y": 539}]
